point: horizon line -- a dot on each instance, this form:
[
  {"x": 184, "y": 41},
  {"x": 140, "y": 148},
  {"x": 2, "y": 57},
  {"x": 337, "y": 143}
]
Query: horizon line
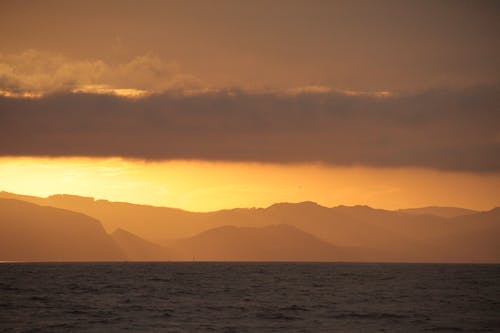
[{"x": 94, "y": 199}]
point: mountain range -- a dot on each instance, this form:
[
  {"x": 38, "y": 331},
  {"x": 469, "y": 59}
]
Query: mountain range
[{"x": 74, "y": 228}]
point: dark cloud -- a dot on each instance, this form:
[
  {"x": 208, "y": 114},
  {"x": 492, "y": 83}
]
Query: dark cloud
[{"x": 443, "y": 129}]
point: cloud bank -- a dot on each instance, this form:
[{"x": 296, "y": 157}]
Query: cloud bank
[{"x": 441, "y": 129}]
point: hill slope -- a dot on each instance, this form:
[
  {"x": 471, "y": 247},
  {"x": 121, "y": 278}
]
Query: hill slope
[
  {"x": 29, "y": 232},
  {"x": 445, "y": 212},
  {"x": 138, "y": 249},
  {"x": 384, "y": 235},
  {"x": 271, "y": 243}
]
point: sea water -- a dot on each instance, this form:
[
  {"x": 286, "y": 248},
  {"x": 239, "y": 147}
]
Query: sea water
[{"x": 248, "y": 297}]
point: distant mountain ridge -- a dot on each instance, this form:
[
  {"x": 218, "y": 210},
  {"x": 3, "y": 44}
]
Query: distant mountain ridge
[
  {"x": 274, "y": 242},
  {"x": 371, "y": 234},
  {"x": 29, "y": 232},
  {"x": 138, "y": 249},
  {"x": 439, "y": 211}
]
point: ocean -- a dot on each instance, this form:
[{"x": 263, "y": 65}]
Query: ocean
[{"x": 249, "y": 297}]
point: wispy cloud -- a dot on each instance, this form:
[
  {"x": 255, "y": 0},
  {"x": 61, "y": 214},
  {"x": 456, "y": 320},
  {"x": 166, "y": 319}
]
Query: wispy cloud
[{"x": 34, "y": 73}]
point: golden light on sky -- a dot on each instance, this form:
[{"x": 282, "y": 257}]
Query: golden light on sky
[
  {"x": 335, "y": 102},
  {"x": 226, "y": 104},
  {"x": 205, "y": 186}
]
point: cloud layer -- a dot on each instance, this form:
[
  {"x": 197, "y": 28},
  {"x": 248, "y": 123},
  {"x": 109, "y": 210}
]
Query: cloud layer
[
  {"x": 442, "y": 129},
  {"x": 36, "y": 72}
]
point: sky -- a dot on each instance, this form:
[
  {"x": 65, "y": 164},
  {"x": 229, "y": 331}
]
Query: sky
[{"x": 211, "y": 105}]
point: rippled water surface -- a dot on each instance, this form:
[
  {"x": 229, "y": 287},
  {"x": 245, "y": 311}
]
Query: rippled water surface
[{"x": 249, "y": 297}]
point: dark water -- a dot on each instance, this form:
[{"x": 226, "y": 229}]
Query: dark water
[{"x": 249, "y": 297}]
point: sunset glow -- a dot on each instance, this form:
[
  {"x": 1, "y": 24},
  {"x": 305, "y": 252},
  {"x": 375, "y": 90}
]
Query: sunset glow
[
  {"x": 205, "y": 186},
  {"x": 249, "y": 165},
  {"x": 203, "y": 125}
]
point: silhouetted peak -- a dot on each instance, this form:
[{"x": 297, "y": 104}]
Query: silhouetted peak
[
  {"x": 492, "y": 212},
  {"x": 42, "y": 233},
  {"x": 71, "y": 197},
  {"x": 354, "y": 206},
  {"x": 358, "y": 208},
  {"x": 440, "y": 211},
  {"x": 303, "y": 204}
]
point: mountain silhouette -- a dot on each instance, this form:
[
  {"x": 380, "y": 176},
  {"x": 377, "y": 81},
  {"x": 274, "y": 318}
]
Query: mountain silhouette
[
  {"x": 29, "y": 232},
  {"x": 439, "y": 211},
  {"x": 138, "y": 249},
  {"x": 370, "y": 234},
  {"x": 270, "y": 243},
  {"x": 478, "y": 241}
]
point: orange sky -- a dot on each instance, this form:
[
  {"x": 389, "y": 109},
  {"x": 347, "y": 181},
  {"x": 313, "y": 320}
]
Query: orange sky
[
  {"x": 205, "y": 186},
  {"x": 356, "y": 45},
  {"x": 392, "y": 104}
]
